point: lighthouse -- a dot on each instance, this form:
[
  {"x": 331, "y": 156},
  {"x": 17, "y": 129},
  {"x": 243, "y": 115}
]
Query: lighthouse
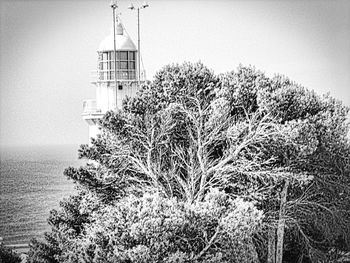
[{"x": 117, "y": 75}]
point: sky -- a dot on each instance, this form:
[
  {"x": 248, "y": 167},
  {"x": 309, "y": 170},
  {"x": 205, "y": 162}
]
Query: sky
[{"x": 48, "y": 50}]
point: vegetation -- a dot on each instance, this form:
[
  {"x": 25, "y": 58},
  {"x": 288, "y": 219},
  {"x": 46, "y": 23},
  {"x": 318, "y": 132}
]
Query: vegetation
[
  {"x": 8, "y": 256},
  {"x": 204, "y": 168}
]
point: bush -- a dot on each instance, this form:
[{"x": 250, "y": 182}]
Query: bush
[
  {"x": 8, "y": 256},
  {"x": 158, "y": 229}
]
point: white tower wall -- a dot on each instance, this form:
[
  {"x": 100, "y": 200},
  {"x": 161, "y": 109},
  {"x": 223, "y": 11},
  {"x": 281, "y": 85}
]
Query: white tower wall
[{"x": 93, "y": 131}]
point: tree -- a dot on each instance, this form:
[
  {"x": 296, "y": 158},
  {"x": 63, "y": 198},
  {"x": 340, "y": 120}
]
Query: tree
[
  {"x": 267, "y": 142},
  {"x": 8, "y": 256}
]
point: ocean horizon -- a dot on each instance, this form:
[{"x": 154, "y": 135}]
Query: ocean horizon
[{"x": 31, "y": 184}]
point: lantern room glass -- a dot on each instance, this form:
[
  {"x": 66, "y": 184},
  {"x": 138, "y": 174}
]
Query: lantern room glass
[{"x": 126, "y": 65}]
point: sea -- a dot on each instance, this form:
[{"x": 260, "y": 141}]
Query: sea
[{"x": 31, "y": 184}]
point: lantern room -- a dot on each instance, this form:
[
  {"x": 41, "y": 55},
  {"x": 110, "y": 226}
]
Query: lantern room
[{"x": 126, "y": 57}]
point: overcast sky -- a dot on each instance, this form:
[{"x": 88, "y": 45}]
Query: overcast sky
[{"x": 48, "y": 49}]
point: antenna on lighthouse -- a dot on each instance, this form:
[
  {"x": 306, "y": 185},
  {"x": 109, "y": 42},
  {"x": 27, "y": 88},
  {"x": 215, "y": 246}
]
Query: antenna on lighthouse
[
  {"x": 114, "y": 6},
  {"x": 132, "y": 7}
]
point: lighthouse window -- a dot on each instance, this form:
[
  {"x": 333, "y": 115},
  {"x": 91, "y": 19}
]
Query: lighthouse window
[
  {"x": 104, "y": 65},
  {"x": 124, "y": 65},
  {"x": 132, "y": 65},
  {"x": 123, "y": 55},
  {"x": 131, "y": 55}
]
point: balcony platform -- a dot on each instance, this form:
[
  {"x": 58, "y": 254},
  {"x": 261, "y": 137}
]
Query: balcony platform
[{"x": 90, "y": 112}]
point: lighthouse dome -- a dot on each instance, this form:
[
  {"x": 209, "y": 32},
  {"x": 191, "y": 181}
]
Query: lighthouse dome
[{"x": 122, "y": 41}]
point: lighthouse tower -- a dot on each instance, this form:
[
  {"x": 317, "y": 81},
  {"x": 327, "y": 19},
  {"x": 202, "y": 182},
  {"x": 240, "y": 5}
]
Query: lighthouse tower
[{"x": 115, "y": 78}]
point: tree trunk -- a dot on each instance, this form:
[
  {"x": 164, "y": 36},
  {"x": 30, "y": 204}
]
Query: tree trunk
[
  {"x": 281, "y": 223},
  {"x": 271, "y": 246}
]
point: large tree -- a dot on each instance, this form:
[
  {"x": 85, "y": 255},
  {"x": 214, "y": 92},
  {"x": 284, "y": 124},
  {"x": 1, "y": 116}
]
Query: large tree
[{"x": 205, "y": 168}]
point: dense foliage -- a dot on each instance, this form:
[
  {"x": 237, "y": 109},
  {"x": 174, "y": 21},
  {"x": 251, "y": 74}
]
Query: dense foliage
[
  {"x": 204, "y": 168},
  {"x": 8, "y": 256}
]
